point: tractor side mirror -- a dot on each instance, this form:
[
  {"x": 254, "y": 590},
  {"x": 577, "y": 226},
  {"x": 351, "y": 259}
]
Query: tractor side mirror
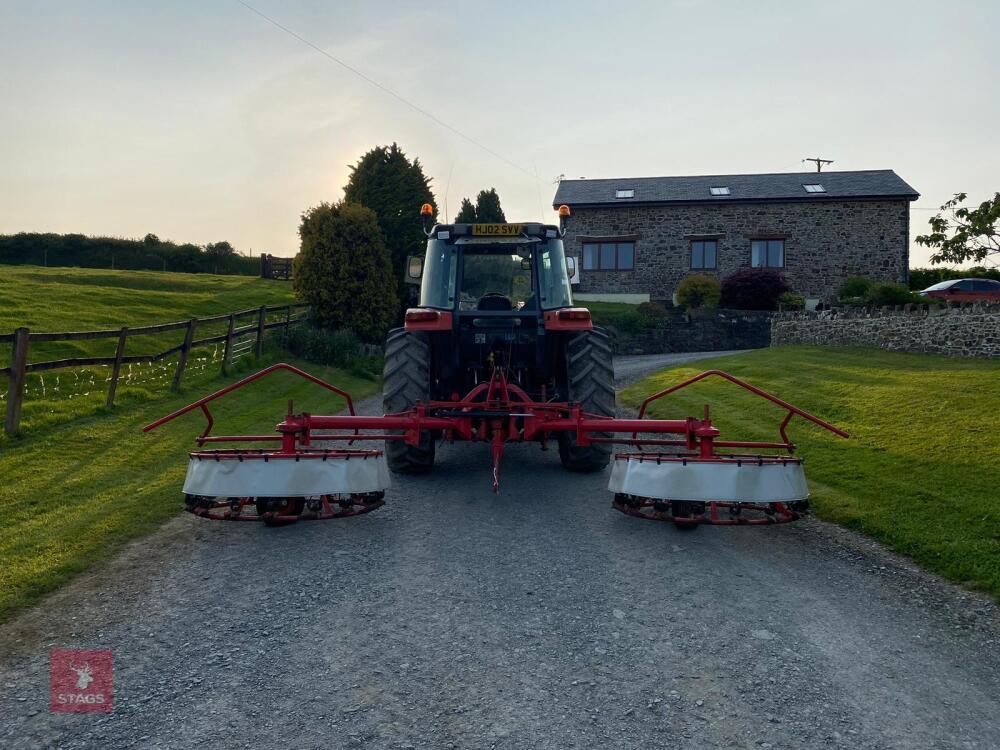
[
  {"x": 570, "y": 266},
  {"x": 414, "y": 269}
]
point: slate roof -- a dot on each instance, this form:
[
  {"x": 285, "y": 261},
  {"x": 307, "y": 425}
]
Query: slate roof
[{"x": 875, "y": 183}]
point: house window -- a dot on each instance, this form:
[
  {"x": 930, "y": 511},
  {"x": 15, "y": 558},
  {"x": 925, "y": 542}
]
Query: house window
[
  {"x": 704, "y": 253},
  {"x": 814, "y": 188},
  {"x": 608, "y": 256},
  {"x": 722, "y": 190},
  {"x": 624, "y": 194},
  {"x": 767, "y": 253}
]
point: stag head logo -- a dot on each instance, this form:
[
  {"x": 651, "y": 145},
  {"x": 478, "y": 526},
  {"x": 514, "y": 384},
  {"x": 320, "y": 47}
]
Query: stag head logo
[
  {"x": 80, "y": 680},
  {"x": 84, "y": 675}
]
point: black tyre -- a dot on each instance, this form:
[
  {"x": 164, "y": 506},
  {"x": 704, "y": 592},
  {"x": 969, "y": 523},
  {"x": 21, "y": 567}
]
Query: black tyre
[
  {"x": 406, "y": 379},
  {"x": 682, "y": 512},
  {"x": 590, "y": 380}
]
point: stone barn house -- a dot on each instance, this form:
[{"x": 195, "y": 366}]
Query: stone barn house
[{"x": 635, "y": 238}]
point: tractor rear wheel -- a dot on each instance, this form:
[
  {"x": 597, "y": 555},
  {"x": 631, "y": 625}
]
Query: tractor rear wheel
[
  {"x": 406, "y": 379},
  {"x": 590, "y": 379}
]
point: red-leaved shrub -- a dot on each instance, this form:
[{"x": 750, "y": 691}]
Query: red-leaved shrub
[{"x": 753, "y": 289}]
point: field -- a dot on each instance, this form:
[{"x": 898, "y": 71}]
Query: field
[
  {"x": 72, "y": 494},
  {"x": 920, "y": 471},
  {"x": 74, "y": 299},
  {"x": 80, "y": 481},
  {"x": 81, "y": 299}
]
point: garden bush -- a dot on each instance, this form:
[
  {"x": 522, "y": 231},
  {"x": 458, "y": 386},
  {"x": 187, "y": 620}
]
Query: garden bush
[
  {"x": 652, "y": 311},
  {"x": 344, "y": 271},
  {"x": 336, "y": 348},
  {"x": 921, "y": 278},
  {"x": 792, "y": 301},
  {"x": 754, "y": 289},
  {"x": 856, "y": 288},
  {"x": 699, "y": 290},
  {"x": 882, "y": 295}
]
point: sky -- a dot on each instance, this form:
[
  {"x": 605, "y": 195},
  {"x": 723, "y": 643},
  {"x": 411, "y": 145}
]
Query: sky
[{"x": 202, "y": 121}]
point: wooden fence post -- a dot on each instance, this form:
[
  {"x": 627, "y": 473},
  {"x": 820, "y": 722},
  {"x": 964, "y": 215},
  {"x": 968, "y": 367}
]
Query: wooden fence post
[
  {"x": 185, "y": 350},
  {"x": 288, "y": 325},
  {"x": 261, "y": 316},
  {"x": 119, "y": 353},
  {"x": 229, "y": 345},
  {"x": 15, "y": 393}
]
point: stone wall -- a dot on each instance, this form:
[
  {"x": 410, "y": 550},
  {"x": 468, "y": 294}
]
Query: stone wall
[
  {"x": 704, "y": 331},
  {"x": 968, "y": 331},
  {"x": 825, "y": 242}
]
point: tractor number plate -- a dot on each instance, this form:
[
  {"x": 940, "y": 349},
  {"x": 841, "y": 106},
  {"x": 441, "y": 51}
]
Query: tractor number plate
[{"x": 498, "y": 230}]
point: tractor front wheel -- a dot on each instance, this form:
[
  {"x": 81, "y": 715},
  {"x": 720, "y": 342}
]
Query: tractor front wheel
[
  {"x": 590, "y": 379},
  {"x": 406, "y": 379}
]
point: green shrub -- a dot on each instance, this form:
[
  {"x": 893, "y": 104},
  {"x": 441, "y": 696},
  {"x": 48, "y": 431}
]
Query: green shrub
[
  {"x": 344, "y": 271},
  {"x": 336, "y": 348},
  {"x": 652, "y": 310},
  {"x": 885, "y": 294},
  {"x": 619, "y": 315},
  {"x": 921, "y": 278},
  {"x": 699, "y": 290},
  {"x": 754, "y": 289},
  {"x": 855, "y": 288},
  {"x": 792, "y": 301}
]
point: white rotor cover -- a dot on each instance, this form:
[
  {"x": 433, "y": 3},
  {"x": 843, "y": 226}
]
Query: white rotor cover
[
  {"x": 280, "y": 477},
  {"x": 726, "y": 481}
]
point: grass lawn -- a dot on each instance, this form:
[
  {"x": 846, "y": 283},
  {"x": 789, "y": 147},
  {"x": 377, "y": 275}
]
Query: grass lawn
[
  {"x": 921, "y": 471},
  {"x": 73, "y": 494},
  {"x": 78, "y": 299}
]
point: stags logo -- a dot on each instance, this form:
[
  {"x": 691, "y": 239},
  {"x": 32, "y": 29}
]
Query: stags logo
[{"x": 80, "y": 681}]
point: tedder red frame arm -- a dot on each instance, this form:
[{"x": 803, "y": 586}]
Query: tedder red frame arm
[
  {"x": 792, "y": 410},
  {"x": 202, "y": 403}
]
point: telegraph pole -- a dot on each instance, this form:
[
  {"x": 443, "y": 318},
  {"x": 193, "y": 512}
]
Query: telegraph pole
[{"x": 819, "y": 162}]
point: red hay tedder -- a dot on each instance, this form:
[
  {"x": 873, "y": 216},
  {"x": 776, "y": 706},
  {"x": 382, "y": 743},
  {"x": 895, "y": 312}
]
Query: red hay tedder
[
  {"x": 684, "y": 478},
  {"x": 496, "y": 322}
]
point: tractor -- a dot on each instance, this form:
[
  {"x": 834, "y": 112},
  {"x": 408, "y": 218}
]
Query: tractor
[
  {"x": 496, "y": 296},
  {"x": 496, "y": 353}
]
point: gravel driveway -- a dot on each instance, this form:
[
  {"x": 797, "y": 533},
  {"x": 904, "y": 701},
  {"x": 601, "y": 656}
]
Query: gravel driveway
[{"x": 541, "y": 618}]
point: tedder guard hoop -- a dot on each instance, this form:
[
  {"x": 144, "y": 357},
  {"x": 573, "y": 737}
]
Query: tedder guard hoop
[{"x": 683, "y": 479}]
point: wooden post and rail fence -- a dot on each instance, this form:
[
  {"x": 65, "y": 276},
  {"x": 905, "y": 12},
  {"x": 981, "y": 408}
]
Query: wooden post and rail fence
[{"x": 237, "y": 339}]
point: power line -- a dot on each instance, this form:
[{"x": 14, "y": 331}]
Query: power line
[{"x": 387, "y": 90}]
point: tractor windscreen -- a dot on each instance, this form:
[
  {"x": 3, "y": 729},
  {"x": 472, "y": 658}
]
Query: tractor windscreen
[
  {"x": 498, "y": 275},
  {"x": 495, "y": 277}
]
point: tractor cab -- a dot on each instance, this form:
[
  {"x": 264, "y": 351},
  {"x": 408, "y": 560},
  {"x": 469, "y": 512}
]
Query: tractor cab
[
  {"x": 500, "y": 294},
  {"x": 471, "y": 268}
]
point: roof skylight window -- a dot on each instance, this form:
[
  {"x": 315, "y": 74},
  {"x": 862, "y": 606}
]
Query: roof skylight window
[
  {"x": 719, "y": 190},
  {"x": 814, "y": 188},
  {"x": 624, "y": 194}
]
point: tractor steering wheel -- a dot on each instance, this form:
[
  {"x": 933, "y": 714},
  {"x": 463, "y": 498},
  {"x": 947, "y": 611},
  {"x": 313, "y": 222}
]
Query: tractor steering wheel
[{"x": 494, "y": 301}]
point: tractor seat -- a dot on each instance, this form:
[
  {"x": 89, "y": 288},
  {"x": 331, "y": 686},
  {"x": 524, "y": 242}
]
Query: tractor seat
[{"x": 494, "y": 301}]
